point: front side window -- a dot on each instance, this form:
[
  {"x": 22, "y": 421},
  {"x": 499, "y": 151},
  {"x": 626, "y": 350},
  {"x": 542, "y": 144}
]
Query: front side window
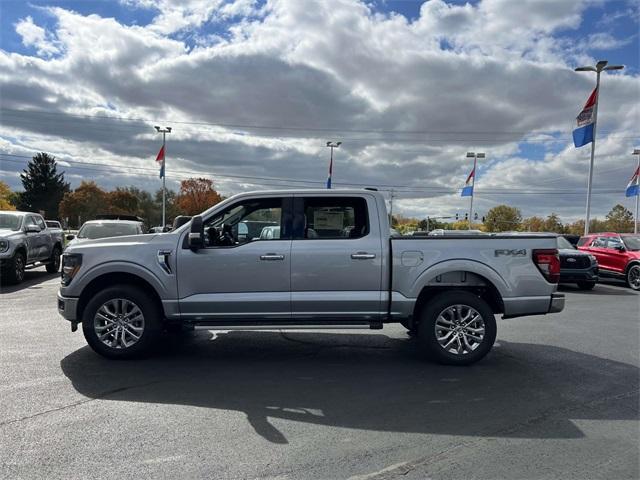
[
  {"x": 244, "y": 222},
  {"x": 614, "y": 243},
  {"x": 29, "y": 221},
  {"x": 40, "y": 223},
  {"x": 335, "y": 218},
  {"x": 599, "y": 242}
]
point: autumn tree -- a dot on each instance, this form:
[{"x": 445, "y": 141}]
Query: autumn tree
[
  {"x": 6, "y": 197},
  {"x": 503, "y": 218},
  {"x": 620, "y": 220},
  {"x": 43, "y": 186},
  {"x": 553, "y": 224},
  {"x": 121, "y": 201},
  {"x": 84, "y": 203},
  {"x": 533, "y": 224},
  {"x": 196, "y": 195}
]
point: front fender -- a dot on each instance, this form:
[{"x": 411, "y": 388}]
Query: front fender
[
  {"x": 428, "y": 276},
  {"x": 80, "y": 282}
]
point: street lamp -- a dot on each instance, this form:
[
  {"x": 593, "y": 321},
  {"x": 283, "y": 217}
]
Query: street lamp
[
  {"x": 331, "y": 145},
  {"x": 164, "y": 132},
  {"x": 600, "y": 67},
  {"x": 475, "y": 156},
  {"x": 636, "y": 151}
]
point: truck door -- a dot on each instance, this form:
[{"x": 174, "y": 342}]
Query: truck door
[
  {"x": 43, "y": 241},
  {"x": 336, "y": 264},
  {"x": 32, "y": 239},
  {"x": 239, "y": 275}
]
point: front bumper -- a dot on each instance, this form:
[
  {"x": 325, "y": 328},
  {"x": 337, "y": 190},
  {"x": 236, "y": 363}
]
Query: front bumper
[
  {"x": 557, "y": 303},
  {"x": 68, "y": 307},
  {"x": 579, "y": 275}
]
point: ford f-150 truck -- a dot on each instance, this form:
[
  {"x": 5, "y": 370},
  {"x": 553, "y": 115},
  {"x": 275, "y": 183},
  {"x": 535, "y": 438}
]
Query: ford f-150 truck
[
  {"x": 26, "y": 241},
  {"x": 331, "y": 264}
]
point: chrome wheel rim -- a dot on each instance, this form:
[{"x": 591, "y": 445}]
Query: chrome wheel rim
[
  {"x": 634, "y": 277},
  {"x": 459, "y": 329},
  {"x": 19, "y": 268},
  {"x": 119, "y": 323}
]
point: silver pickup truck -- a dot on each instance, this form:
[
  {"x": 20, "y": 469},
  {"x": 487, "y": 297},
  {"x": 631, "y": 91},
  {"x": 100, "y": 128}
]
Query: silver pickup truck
[
  {"x": 26, "y": 242},
  {"x": 328, "y": 262}
]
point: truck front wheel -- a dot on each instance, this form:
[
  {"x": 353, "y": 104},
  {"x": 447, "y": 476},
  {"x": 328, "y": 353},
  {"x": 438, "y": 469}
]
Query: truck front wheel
[
  {"x": 457, "y": 328},
  {"x": 121, "y": 322}
]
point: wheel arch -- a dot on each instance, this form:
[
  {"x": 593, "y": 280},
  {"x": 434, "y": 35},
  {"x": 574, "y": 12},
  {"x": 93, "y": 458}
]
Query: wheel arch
[
  {"x": 460, "y": 280},
  {"x": 111, "y": 279}
]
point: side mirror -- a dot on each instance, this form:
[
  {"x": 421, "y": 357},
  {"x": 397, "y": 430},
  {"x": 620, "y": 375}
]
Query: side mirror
[
  {"x": 70, "y": 237},
  {"x": 195, "y": 238},
  {"x": 620, "y": 248},
  {"x": 32, "y": 229}
]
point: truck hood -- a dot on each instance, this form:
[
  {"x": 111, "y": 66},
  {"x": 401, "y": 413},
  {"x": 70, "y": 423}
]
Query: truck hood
[
  {"x": 572, "y": 252},
  {"x": 8, "y": 234},
  {"x": 77, "y": 245}
]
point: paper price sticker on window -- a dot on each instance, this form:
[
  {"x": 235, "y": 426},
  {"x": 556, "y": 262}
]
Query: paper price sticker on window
[{"x": 328, "y": 220}]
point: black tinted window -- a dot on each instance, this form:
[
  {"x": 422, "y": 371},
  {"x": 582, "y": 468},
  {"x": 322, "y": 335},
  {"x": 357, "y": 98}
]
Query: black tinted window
[{"x": 335, "y": 217}]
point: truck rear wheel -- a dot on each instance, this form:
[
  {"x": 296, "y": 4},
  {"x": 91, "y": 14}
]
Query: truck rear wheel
[
  {"x": 54, "y": 263},
  {"x": 457, "y": 328},
  {"x": 121, "y": 322}
]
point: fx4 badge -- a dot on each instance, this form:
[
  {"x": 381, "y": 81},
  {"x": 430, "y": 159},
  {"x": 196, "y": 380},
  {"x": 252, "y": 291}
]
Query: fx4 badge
[{"x": 518, "y": 252}]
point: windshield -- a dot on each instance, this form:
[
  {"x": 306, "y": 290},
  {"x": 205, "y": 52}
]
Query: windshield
[
  {"x": 9, "y": 221},
  {"x": 103, "y": 230},
  {"x": 632, "y": 242},
  {"x": 564, "y": 243}
]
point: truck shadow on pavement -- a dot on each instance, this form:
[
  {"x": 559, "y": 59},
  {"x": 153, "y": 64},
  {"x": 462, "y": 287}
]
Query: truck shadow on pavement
[
  {"x": 370, "y": 382},
  {"x": 32, "y": 279}
]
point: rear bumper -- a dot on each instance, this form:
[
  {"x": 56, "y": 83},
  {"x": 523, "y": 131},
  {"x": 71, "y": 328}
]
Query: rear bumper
[
  {"x": 68, "y": 307},
  {"x": 557, "y": 303}
]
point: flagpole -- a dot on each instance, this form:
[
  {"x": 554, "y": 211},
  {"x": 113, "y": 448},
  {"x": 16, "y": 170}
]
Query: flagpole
[
  {"x": 473, "y": 188},
  {"x": 636, "y": 151},
  {"x": 593, "y": 150},
  {"x": 164, "y": 132}
]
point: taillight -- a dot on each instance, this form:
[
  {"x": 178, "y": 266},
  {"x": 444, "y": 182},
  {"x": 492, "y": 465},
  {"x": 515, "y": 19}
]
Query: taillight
[{"x": 548, "y": 262}]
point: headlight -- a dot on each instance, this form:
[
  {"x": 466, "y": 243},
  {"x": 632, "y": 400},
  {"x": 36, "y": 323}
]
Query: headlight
[
  {"x": 4, "y": 245},
  {"x": 70, "y": 265}
]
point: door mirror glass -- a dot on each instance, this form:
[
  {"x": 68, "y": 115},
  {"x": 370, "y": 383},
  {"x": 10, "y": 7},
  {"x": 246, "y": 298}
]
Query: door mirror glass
[
  {"x": 195, "y": 234},
  {"x": 70, "y": 237}
]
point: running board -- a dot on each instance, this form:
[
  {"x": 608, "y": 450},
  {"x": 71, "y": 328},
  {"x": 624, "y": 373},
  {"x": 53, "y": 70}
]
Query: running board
[{"x": 285, "y": 326}]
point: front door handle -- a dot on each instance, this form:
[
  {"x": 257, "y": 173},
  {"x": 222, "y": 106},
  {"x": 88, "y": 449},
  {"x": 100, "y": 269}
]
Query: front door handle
[
  {"x": 363, "y": 256},
  {"x": 271, "y": 256}
]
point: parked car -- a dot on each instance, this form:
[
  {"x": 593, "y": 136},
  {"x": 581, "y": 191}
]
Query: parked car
[
  {"x": 160, "y": 229},
  {"x": 576, "y": 266},
  {"x": 53, "y": 225},
  {"x": 27, "y": 242},
  {"x": 209, "y": 274},
  {"x": 618, "y": 255},
  {"x": 96, "y": 229}
]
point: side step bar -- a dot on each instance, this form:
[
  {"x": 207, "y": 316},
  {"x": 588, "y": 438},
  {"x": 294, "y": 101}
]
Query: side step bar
[{"x": 258, "y": 325}]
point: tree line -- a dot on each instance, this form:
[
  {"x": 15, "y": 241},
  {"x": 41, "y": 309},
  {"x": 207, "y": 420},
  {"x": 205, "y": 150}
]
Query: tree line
[
  {"x": 504, "y": 218},
  {"x": 46, "y": 191}
]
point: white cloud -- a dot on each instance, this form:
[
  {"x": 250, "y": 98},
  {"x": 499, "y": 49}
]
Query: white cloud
[{"x": 35, "y": 36}]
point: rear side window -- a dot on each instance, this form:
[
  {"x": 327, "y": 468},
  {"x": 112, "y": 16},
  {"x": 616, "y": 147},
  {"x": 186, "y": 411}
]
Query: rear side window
[
  {"x": 600, "y": 242},
  {"x": 333, "y": 218}
]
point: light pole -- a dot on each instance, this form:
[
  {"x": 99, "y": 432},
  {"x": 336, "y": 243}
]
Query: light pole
[
  {"x": 331, "y": 145},
  {"x": 164, "y": 132},
  {"x": 636, "y": 151},
  {"x": 600, "y": 66},
  {"x": 475, "y": 157}
]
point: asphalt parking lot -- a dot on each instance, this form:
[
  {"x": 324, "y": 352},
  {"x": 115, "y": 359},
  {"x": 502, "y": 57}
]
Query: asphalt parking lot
[{"x": 557, "y": 398}]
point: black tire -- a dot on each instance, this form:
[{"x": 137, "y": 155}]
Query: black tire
[
  {"x": 631, "y": 278},
  {"x": 427, "y": 328},
  {"x": 152, "y": 326},
  {"x": 14, "y": 273},
  {"x": 410, "y": 326},
  {"x": 54, "y": 262},
  {"x": 586, "y": 285}
]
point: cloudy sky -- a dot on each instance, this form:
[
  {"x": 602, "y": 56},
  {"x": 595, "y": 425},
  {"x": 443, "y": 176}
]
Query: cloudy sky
[{"x": 254, "y": 89}]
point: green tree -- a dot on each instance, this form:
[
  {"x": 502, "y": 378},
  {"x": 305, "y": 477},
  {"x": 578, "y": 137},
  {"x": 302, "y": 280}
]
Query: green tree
[
  {"x": 43, "y": 186},
  {"x": 620, "y": 220},
  {"x": 533, "y": 224},
  {"x": 173, "y": 208},
  {"x": 503, "y": 218},
  {"x": 553, "y": 224}
]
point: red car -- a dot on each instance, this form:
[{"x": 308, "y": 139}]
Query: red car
[{"x": 618, "y": 255}]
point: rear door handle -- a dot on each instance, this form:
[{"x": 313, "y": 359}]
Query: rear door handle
[
  {"x": 363, "y": 256},
  {"x": 271, "y": 256}
]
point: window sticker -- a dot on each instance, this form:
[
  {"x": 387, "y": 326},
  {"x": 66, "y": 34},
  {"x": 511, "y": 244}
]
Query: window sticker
[{"x": 323, "y": 220}]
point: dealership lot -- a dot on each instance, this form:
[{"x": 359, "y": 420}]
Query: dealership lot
[{"x": 557, "y": 398}]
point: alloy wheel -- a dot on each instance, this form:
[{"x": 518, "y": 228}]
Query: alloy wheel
[
  {"x": 459, "y": 329},
  {"x": 119, "y": 323},
  {"x": 633, "y": 277}
]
